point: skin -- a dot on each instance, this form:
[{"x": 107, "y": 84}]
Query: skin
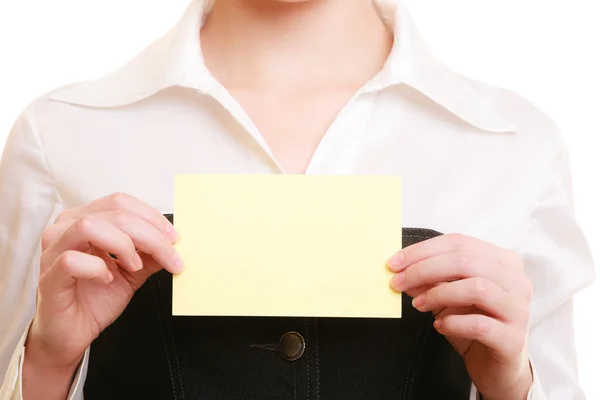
[
  {"x": 302, "y": 72},
  {"x": 480, "y": 297},
  {"x": 82, "y": 290}
]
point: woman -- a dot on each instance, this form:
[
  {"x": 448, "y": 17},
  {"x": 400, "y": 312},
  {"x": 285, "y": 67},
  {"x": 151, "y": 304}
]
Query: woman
[{"x": 268, "y": 86}]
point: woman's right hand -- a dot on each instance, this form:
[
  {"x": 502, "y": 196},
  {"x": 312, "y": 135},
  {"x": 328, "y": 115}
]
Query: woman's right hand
[{"x": 82, "y": 289}]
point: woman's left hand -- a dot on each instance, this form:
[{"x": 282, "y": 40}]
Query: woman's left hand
[{"x": 480, "y": 297}]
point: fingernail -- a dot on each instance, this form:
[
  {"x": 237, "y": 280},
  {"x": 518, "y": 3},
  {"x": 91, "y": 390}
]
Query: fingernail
[
  {"x": 418, "y": 302},
  {"x": 437, "y": 324},
  {"x": 177, "y": 263},
  {"x": 395, "y": 262},
  {"x": 398, "y": 281},
  {"x": 109, "y": 277},
  {"x": 172, "y": 233},
  {"x": 137, "y": 262}
]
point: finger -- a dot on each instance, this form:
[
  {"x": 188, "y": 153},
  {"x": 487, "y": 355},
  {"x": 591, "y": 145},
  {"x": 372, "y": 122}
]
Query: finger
[
  {"x": 146, "y": 238},
  {"x": 479, "y": 292},
  {"x": 440, "y": 245},
  {"x": 71, "y": 266},
  {"x": 52, "y": 233},
  {"x": 508, "y": 341},
  {"x": 415, "y": 292},
  {"x": 450, "y": 267},
  {"x": 443, "y": 312},
  {"x": 90, "y": 232},
  {"x": 125, "y": 202}
]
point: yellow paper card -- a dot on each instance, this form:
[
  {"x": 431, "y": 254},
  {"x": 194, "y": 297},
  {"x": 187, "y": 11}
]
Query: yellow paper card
[{"x": 287, "y": 245}]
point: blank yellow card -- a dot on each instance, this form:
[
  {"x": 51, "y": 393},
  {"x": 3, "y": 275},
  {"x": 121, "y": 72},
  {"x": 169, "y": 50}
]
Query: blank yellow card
[{"x": 287, "y": 245}]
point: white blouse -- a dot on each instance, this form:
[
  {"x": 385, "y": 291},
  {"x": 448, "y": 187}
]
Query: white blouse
[{"x": 475, "y": 159}]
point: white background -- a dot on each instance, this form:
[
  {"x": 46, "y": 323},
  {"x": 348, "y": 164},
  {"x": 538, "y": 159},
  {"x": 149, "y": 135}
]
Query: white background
[{"x": 546, "y": 50}]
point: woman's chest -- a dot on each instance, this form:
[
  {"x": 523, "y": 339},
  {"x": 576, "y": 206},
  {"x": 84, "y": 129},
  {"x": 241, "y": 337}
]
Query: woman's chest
[{"x": 453, "y": 181}]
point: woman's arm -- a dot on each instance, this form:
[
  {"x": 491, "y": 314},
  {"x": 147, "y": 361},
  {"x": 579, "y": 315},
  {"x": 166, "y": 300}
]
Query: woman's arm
[
  {"x": 28, "y": 202},
  {"x": 558, "y": 259}
]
